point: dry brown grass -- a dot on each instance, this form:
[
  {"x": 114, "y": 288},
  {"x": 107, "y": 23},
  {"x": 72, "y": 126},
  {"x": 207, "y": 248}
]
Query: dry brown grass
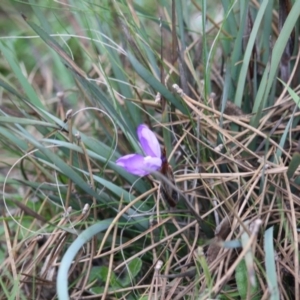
[
  {"x": 240, "y": 180},
  {"x": 256, "y": 187}
]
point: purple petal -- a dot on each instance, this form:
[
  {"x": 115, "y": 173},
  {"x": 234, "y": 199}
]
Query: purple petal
[
  {"x": 138, "y": 165},
  {"x": 148, "y": 141},
  {"x": 132, "y": 164},
  {"x": 152, "y": 163}
]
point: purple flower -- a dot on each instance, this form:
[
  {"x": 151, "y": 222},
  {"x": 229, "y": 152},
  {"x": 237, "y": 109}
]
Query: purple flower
[{"x": 143, "y": 165}]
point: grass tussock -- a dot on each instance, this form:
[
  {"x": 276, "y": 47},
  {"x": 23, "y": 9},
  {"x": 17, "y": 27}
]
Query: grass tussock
[{"x": 217, "y": 83}]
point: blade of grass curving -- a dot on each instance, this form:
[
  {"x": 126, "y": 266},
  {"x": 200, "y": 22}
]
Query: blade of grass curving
[
  {"x": 248, "y": 53},
  {"x": 270, "y": 264},
  {"x": 8, "y": 53},
  {"x": 67, "y": 260},
  {"x": 278, "y": 49},
  {"x": 156, "y": 85}
]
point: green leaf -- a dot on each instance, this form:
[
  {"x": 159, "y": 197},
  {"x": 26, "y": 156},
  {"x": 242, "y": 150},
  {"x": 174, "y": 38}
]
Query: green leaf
[
  {"x": 270, "y": 264},
  {"x": 242, "y": 280},
  {"x": 101, "y": 273},
  {"x": 133, "y": 268}
]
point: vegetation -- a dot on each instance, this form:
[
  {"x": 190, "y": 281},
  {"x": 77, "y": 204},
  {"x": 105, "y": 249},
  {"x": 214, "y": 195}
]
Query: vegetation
[{"x": 216, "y": 81}]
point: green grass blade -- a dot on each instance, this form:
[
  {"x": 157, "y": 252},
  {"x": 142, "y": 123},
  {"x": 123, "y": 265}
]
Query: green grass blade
[
  {"x": 67, "y": 260},
  {"x": 293, "y": 166},
  {"x": 267, "y": 31},
  {"x": 270, "y": 264},
  {"x": 247, "y": 56},
  {"x": 8, "y": 53},
  {"x": 277, "y": 52},
  {"x": 156, "y": 85},
  {"x": 237, "y": 52}
]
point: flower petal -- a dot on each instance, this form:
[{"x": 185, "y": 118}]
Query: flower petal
[
  {"x": 132, "y": 164},
  {"x": 148, "y": 141},
  {"x": 138, "y": 165},
  {"x": 152, "y": 164}
]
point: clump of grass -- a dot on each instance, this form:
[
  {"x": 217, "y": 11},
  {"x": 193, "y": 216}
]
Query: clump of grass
[{"x": 217, "y": 84}]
